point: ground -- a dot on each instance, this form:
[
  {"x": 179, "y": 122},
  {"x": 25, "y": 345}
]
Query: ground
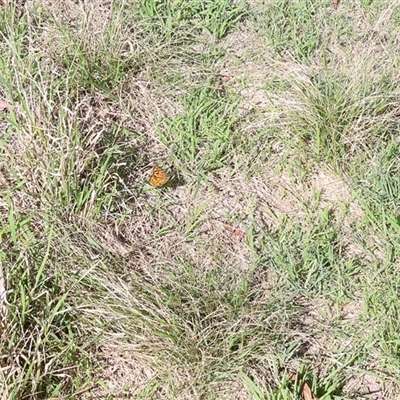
[{"x": 271, "y": 251}]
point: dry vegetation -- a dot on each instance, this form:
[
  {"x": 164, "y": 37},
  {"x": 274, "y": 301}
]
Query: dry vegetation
[{"x": 274, "y": 247}]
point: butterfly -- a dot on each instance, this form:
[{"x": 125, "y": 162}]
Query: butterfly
[{"x": 159, "y": 177}]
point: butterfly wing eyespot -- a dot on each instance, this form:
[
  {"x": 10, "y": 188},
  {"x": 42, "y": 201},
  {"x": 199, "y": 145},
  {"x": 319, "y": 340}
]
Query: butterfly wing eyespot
[{"x": 159, "y": 177}]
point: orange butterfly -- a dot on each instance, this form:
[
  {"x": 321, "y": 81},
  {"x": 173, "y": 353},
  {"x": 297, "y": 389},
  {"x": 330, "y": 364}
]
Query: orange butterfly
[{"x": 159, "y": 177}]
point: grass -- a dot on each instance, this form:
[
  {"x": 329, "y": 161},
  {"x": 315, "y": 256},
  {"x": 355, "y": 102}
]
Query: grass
[{"x": 272, "y": 251}]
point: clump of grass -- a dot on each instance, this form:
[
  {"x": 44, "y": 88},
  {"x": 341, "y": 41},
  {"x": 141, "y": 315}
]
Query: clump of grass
[
  {"x": 291, "y": 26},
  {"x": 43, "y": 347},
  {"x": 213, "y": 332},
  {"x": 378, "y": 190},
  {"x": 330, "y": 112},
  {"x": 183, "y": 20},
  {"x": 312, "y": 260},
  {"x": 203, "y": 135}
]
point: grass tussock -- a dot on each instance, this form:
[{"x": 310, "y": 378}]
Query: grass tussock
[{"x": 273, "y": 249}]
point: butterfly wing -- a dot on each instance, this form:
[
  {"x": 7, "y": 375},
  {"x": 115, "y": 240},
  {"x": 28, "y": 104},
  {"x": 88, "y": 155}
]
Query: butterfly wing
[{"x": 159, "y": 177}]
